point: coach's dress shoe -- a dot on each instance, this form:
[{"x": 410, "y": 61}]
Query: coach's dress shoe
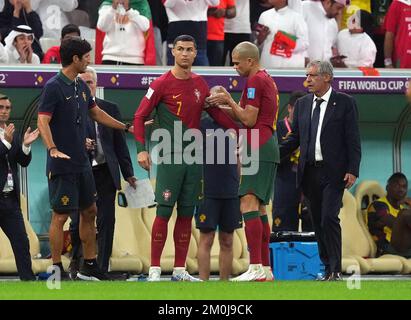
[{"x": 334, "y": 276}]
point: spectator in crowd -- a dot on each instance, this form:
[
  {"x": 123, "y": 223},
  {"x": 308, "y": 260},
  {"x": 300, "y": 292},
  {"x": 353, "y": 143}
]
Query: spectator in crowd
[
  {"x": 52, "y": 14},
  {"x": 13, "y": 152},
  {"x": 408, "y": 92},
  {"x": 237, "y": 29},
  {"x": 379, "y": 9},
  {"x": 389, "y": 218},
  {"x": 53, "y": 54},
  {"x": 257, "y": 7},
  {"x": 124, "y": 42},
  {"x": 283, "y": 35},
  {"x": 355, "y": 46},
  {"x": 287, "y": 195},
  {"x": 325, "y": 127},
  {"x": 220, "y": 209},
  {"x": 188, "y": 17},
  {"x": 160, "y": 22},
  {"x": 19, "y": 46},
  {"x": 352, "y": 7},
  {"x": 4, "y": 57},
  {"x": 320, "y": 19},
  {"x": 215, "y": 30},
  {"x": 397, "y": 43},
  {"x": 143, "y": 8},
  {"x": 108, "y": 155},
  {"x": 257, "y": 111},
  {"x": 20, "y": 12}
]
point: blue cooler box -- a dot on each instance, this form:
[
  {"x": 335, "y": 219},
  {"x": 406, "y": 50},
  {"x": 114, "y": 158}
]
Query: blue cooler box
[{"x": 295, "y": 260}]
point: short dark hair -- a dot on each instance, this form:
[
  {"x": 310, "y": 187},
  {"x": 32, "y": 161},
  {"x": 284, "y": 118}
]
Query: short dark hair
[
  {"x": 70, "y": 28},
  {"x": 73, "y": 46},
  {"x": 367, "y": 22},
  {"x": 185, "y": 37},
  {"x": 397, "y": 176},
  {"x": 294, "y": 96}
]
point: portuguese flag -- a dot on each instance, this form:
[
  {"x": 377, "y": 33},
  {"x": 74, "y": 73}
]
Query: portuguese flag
[
  {"x": 150, "y": 52},
  {"x": 283, "y": 44}
]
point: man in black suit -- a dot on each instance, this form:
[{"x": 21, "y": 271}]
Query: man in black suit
[
  {"x": 108, "y": 151},
  {"x": 325, "y": 127},
  {"x": 12, "y": 152}
]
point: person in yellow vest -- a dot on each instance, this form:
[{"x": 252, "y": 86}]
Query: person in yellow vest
[{"x": 389, "y": 218}]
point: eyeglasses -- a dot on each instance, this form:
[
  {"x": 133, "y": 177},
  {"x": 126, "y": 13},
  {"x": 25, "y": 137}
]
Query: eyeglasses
[{"x": 7, "y": 108}]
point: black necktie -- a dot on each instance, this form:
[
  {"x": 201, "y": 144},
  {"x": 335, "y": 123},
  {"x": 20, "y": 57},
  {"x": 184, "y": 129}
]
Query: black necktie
[{"x": 315, "y": 119}]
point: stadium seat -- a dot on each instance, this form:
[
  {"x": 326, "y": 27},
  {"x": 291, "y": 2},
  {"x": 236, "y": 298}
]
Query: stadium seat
[
  {"x": 126, "y": 253},
  {"x": 365, "y": 193},
  {"x": 47, "y": 43},
  {"x": 355, "y": 243},
  {"x": 7, "y": 261}
]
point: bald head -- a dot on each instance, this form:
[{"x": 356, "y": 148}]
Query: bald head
[{"x": 246, "y": 50}]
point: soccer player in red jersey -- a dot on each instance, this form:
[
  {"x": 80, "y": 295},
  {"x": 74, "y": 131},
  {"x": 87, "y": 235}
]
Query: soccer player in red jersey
[
  {"x": 257, "y": 111},
  {"x": 179, "y": 99}
]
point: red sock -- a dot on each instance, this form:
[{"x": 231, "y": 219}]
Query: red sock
[
  {"x": 253, "y": 233},
  {"x": 182, "y": 236},
  {"x": 158, "y": 239},
  {"x": 265, "y": 251}
]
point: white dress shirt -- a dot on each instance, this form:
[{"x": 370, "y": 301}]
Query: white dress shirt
[
  {"x": 322, "y": 31},
  {"x": 241, "y": 22},
  {"x": 323, "y": 107},
  {"x": 359, "y": 49},
  {"x": 26, "y": 150},
  {"x": 291, "y": 22}
]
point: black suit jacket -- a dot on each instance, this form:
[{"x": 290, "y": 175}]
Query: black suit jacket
[
  {"x": 113, "y": 143},
  {"x": 339, "y": 139},
  {"x": 15, "y": 156}
]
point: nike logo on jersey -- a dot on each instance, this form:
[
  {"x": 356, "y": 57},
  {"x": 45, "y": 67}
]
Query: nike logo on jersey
[
  {"x": 68, "y": 98},
  {"x": 176, "y": 96}
]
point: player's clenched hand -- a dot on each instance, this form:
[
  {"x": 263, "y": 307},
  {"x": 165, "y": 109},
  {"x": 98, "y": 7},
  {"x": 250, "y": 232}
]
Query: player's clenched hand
[{"x": 144, "y": 160}]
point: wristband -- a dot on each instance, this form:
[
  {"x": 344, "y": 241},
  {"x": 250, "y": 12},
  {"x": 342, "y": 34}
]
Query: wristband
[
  {"x": 52, "y": 148},
  {"x": 128, "y": 125}
]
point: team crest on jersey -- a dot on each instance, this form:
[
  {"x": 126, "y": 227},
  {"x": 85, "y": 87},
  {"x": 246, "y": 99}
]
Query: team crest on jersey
[
  {"x": 202, "y": 217},
  {"x": 166, "y": 195},
  {"x": 65, "y": 200},
  {"x": 251, "y": 93},
  {"x": 197, "y": 93}
]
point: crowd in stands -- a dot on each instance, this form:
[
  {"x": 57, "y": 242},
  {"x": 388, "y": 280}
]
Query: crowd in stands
[{"x": 289, "y": 33}]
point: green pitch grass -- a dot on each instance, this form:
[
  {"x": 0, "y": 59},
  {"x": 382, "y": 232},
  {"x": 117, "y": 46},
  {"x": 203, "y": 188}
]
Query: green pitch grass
[{"x": 213, "y": 290}]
